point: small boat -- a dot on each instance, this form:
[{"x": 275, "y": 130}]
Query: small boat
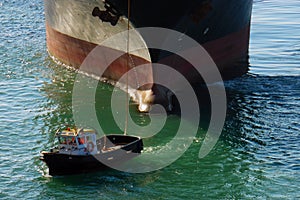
[{"x": 80, "y": 151}]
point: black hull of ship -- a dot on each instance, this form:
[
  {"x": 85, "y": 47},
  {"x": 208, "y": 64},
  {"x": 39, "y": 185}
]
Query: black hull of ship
[{"x": 222, "y": 27}]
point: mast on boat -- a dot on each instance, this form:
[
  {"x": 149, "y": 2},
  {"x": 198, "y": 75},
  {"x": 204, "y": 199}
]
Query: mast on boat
[{"x": 127, "y": 69}]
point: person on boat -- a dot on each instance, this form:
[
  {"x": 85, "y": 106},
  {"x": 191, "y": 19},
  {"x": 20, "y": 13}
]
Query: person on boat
[
  {"x": 81, "y": 140},
  {"x": 73, "y": 141}
]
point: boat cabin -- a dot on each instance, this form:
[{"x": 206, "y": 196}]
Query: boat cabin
[{"x": 77, "y": 140}]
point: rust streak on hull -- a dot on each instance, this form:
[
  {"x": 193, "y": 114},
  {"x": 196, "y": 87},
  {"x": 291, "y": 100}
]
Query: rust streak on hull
[{"x": 72, "y": 52}]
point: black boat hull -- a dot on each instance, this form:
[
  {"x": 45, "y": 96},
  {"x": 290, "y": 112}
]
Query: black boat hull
[{"x": 66, "y": 164}]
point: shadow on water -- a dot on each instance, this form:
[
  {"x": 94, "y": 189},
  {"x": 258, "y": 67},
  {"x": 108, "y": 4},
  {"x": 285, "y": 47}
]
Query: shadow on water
[
  {"x": 262, "y": 122},
  {"x": 259, "y": 106}
]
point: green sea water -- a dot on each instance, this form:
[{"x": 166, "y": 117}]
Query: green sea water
[{"x": 257, "y": 155}]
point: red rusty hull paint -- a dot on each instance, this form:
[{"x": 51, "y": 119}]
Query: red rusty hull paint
[
  {"x": 229, "y": 53},
  {"x": 72, "y": 52}
]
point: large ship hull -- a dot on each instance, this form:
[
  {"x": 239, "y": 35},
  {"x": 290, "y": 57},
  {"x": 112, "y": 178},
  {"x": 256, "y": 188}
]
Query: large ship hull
[{"x": 74, "y": 29}]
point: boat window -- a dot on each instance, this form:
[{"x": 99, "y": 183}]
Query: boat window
[
  {"x": 67, "y": 140},
  {"x": 72, "y": 141},
  {"x": 62, "y": 140},
  {"x": 81, "y": 140}
]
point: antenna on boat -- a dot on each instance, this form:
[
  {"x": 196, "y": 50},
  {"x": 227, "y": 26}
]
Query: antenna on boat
[{"x": 127, "y": 68}]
